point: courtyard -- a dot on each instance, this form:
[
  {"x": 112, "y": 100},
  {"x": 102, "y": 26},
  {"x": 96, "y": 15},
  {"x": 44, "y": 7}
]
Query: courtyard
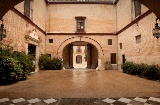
[
  {"x": 81, "y": 87},
  {"x": 72, "y": 52}
]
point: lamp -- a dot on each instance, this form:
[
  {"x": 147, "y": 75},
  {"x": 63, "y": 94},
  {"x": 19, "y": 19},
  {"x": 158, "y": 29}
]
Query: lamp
[
  {"x": 2, "y": 31},
  {"x": 156, "y": 30}
]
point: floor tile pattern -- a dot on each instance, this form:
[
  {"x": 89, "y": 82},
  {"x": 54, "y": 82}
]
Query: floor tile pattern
[{"x": 82, "y": 101}]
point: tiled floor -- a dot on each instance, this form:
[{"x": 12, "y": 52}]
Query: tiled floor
[{"x": 83, "y": 101}]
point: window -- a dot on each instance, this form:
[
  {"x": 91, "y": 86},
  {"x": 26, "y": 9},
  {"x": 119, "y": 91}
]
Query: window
[
  {"x": 109, "y": 41},
  {"x": 28, "y": 10},
  {"x": 138, "y": 39},
  {"x": 113, "y": 58},
  {"x": 120, "y": 45},
  {"x": 136, "y": 8},
  {"x": 50, "y": 40},
  {"x": 80, "y": 24}
]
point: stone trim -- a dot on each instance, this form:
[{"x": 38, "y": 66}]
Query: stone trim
[
  {"x": 79, "y": 38},
  {"x": 81, "y": 33},
  {"x": 82, "y": 2},
  {"x": 28, "y": 37}
]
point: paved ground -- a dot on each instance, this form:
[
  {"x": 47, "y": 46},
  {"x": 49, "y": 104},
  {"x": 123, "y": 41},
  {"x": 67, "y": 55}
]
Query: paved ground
[
  {"x": 95, "y": 86},
  {"x": 79, "y": 65}
]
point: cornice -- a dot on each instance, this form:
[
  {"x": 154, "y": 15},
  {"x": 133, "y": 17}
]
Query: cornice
[
  {"x": 102, "y": 34},
  {"x": 81, "y": 2}
]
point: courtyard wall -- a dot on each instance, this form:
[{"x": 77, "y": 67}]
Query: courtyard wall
[
  {"x": 38, "y": 12},
  {"x": 103, "y": 22},
  {"x": 100, "y": 42},
  {"x": 100, "y": 18},
  {"x": 148, "y": 50},
  {"x": 17, "y": 27}
]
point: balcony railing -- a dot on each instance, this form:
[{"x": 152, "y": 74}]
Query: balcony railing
[{"x": 82, "y": 1}]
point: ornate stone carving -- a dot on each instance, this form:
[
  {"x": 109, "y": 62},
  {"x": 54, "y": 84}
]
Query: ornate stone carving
[{"x": 31, "y": 35}]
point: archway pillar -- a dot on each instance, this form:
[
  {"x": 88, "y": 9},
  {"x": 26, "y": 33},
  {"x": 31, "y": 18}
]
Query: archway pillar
[
  {"x": 101, "y": 64},
  {"x": 71, "y": 56},
  {"x": 89, "y": 56}
]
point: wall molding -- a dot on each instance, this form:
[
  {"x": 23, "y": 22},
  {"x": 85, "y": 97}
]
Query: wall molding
[
  {"x": 81, "y": 33},
  {"x": 89, "y": 2}
]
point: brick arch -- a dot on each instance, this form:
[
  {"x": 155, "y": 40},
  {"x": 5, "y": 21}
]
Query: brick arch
[
  {"x": 6, "y": 5},
  {"x": 83, "y": 39}
]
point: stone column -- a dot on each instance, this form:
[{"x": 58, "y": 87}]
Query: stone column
[
  {"x": 89, "y": 56},
  {"x": 71, "y": 56}
]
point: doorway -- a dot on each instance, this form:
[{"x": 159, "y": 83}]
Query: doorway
[
  {"x": 80, "y": 55},
  {"x": 123, "y": 58},
  {"x": 32, "y": 52},
  {"x": 79, "y": 59}
]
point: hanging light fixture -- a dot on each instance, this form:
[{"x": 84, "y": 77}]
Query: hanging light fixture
[
  {"x": 156, "y": 30},
  {"x": 2, "y": 31}
]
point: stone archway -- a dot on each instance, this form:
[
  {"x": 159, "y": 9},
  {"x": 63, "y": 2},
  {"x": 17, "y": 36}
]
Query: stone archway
[
  {"x": 73, "y": 58},
  {"x": 94, "y": 52},
  {"x": 82, "y": 39}
]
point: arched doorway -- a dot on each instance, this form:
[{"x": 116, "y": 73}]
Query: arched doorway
[{"x": 80, "y": 54}]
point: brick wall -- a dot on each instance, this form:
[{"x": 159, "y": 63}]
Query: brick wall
[
  {"x": 100, "y": 42},
  {"x": 148, "y": 51},
  {"x": 99, "y": 18},
  {"x": 125, "y": 13},
  {"x": 39, "y": 12},
  {"x": 17, "y": 27}
]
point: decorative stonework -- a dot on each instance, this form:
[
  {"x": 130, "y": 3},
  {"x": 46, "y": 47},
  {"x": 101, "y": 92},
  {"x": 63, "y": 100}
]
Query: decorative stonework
[{"x": 33, "y": 36}]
